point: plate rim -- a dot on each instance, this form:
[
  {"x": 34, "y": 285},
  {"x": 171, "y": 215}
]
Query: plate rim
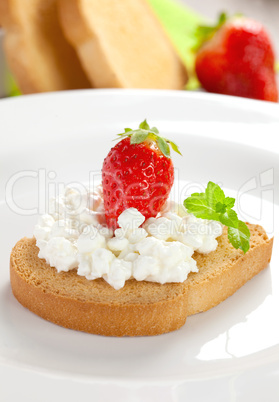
[{"x": 107, "y": 92}]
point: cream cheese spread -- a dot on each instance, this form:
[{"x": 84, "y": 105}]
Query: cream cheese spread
[{"x": 73, "y": 235}]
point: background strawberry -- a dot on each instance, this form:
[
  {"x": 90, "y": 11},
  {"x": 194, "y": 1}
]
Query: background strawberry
[
  {"x": 237, "y": 58},
  {"x": 137, "y": 173}
]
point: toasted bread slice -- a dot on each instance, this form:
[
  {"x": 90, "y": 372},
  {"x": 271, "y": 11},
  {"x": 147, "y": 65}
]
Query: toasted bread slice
[
  {"x": 226, "y": 269},
  {"x": 37, "y": 52},
  {"x": 122, "y": 44},
  {"x": 139, "y": 308}
]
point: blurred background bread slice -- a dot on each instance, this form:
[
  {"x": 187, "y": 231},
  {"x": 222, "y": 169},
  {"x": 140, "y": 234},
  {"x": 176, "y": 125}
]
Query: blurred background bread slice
[
  {"x": 121, "y": 44},
  {"x": 3, "y": 69},
  {"x": 37, "y": 52}
]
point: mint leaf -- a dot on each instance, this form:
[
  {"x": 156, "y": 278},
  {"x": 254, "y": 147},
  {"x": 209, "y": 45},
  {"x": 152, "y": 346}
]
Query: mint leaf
[
  {"x": 220, "y": 207},
  {"x": 213, "y": 205},
  {"x": 229, "y": 218},
  {"x": 197, "y": 204},
  {"x": 229, "y": 202},
  {"x": 240, "y": 237},
  {"x": 214, "y": 194}
]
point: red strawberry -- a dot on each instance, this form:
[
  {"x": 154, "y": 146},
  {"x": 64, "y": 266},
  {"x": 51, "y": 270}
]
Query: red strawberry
[
  {"x": 237, "y": 58},
  {"x": 138, "y": 173}
]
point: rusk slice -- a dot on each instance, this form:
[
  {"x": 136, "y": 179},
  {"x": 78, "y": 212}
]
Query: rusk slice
[
  {"x": 122, "y": 44},
  {"x": 37, "y": 52},
  {"x": 226, "y": 269},
  {"x": 139, "y": 308}
]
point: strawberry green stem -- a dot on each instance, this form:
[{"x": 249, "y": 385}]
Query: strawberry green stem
[{"x": 144, "y": 132}]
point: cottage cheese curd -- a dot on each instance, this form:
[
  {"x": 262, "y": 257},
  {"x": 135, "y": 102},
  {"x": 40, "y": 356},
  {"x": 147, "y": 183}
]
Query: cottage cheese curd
[{"x": 73, "y": 235}]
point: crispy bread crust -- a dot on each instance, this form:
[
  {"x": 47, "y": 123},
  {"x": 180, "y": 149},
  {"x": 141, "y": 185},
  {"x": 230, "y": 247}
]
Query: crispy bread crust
[
  {"x": 94, "y": 316},
  {"x": 37, "y": 52},
  {"x": 122, "y": 44},
  {"x": 140, "y": 308},
  {"x": 212, "y": 286}
]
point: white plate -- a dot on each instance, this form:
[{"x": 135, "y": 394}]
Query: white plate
[{"x": 226, "y": 354}]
